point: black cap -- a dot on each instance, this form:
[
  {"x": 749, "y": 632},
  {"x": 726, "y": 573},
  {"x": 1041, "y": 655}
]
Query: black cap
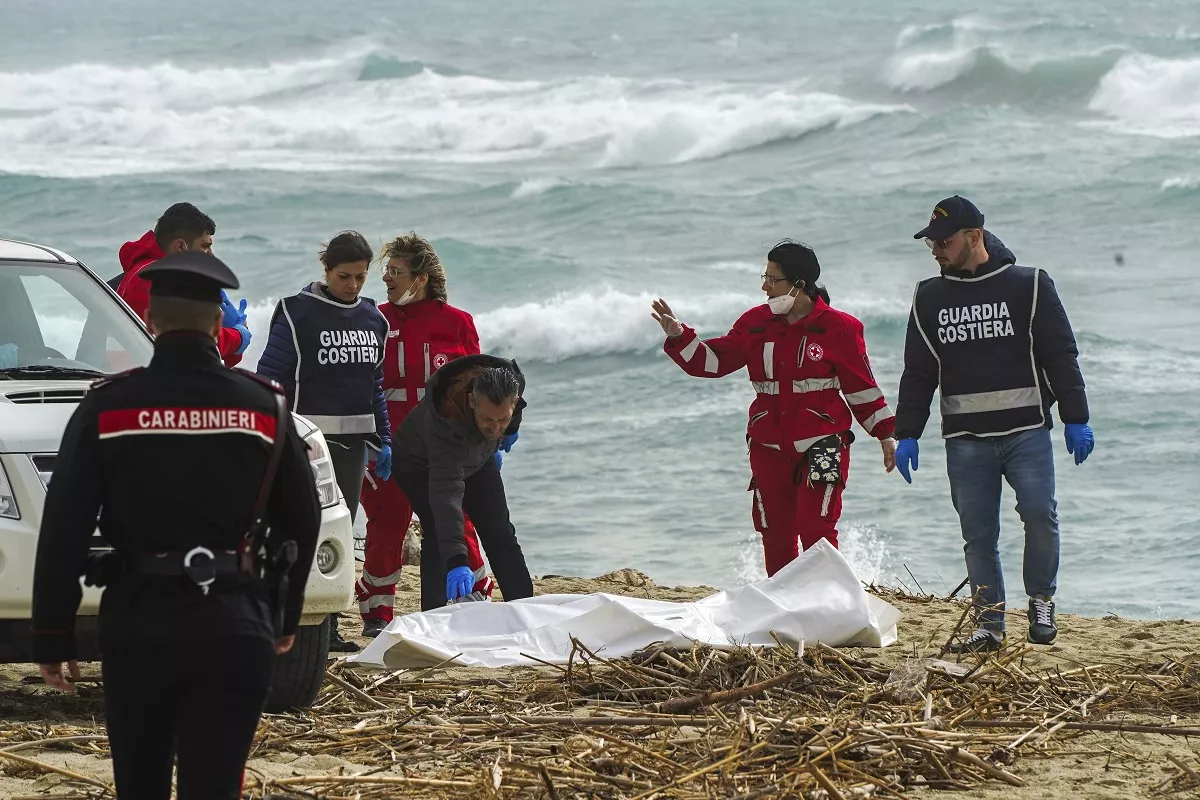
[
  {"x": 949, "y": 217},
  {"x": 190, "y": 274}
]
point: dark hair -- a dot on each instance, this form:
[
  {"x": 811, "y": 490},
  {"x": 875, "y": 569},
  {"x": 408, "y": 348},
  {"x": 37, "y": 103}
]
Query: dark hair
[
  {"x": 182, "y": 221},
  {"x": 421, "y": 259},
  {"x": 799, "y": 263},
  {"x": 182, "y": 314},
  {"x": 345, "y": 248},
  {"x": 497, "y": 384}
]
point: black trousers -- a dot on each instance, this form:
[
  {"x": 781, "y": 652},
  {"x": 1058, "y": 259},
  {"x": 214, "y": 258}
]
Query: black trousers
[
  {"x": 198, "y": 700},
  {"x": 349, "y": 466},
  {"x": 485, "y": 503}
]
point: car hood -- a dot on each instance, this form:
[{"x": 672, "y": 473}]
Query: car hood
[{"x": 33, "y": 414}]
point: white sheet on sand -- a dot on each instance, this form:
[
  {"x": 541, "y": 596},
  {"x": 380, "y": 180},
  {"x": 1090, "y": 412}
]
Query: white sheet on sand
[{"x": 815, "y": 598}]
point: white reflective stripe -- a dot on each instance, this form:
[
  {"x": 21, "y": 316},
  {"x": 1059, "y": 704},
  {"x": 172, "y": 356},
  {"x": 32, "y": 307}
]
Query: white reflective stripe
[
  {"x": 480, "y": 573},
  {"x": 772, "y": 446},
  {"x": 765, "y": 387},
  {"x": 879, "y": 416},
  {"x": 804, "y": 444},
  {"x": 375, "y": 601},
  {"x": 396, "y": 395},
  {"x": 980, "y": 402},
  {"x": 420, "y": 394},
  {"x": 427, "y": 362},
  {"x": 762, "y": 513},
  {"x": 355, "y": 423},
  {"x": 371, "y": 480},
  {"x": 400, "y": 356},
  {"x": 828, "y": 497},
  {"x": 815, "y": 384},
  {"x": 865, "y": 396},
  {"x": 769, "y": 359},
  {"x": 710, "y": 359},
  {"x": 385, "y": 581},
  {"x": 689, "y": 350}
]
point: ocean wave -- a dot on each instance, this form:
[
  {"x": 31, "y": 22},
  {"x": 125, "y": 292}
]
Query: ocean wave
[
  {"x": 1184, "y": 183},
  {"x": 1153, "y": 96},
  {"x": 368, "y": 108},
  {"x": 609, "y": 322},
  {"x": 990, "y": 69},
  {"x": 532, "y": 187}
]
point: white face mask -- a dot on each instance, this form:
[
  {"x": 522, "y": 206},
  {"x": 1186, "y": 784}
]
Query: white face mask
[
  {"x": 782, "y": 304},
  {"x": 407, "y": 297}
]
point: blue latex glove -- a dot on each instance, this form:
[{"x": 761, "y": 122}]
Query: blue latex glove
[
  {"x": 906, "y": 454},
  {"x": 383, "y": 463},
  {"x": 460, "y": 581},
  {"x": 8, "y": 356},
  {"x": 499, "y": 459},
  {"x": 233, "y": 316},
  {"x": 1080, "y": 441},
  {"x": 508, "y": 441},
  {"x": 245, "y": 332}
]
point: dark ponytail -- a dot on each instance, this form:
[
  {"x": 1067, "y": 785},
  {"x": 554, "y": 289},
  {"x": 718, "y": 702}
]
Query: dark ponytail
[{"x": 799, "y": 264}]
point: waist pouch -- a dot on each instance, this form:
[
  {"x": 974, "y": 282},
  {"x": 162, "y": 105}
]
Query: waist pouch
[{"x": 823, "y": 461}]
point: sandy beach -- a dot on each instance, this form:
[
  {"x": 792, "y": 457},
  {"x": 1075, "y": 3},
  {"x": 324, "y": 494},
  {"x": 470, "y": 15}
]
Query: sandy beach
[{"x": 1079, "y": 764}]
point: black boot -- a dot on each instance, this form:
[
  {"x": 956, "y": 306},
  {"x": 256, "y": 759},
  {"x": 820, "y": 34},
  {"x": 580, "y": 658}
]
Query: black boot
[{"x": 336, "y": 643}]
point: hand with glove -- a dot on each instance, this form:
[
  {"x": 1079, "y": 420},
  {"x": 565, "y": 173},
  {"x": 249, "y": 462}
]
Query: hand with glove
[
  {"x": 1080, "y": 441},
  {"x": 233, "y": 315},
  {"x": 383, "y": 463},
  {"x": 508, "y": 441},
  {"x": 8, "y": 356},
  {"x": 460, "y": 582},
  {"x": 906, "y": 457},
  {"x": 244, "y": 332},
  {"x": 499, "y": 459},
  {"x": 664, "y": 316}
]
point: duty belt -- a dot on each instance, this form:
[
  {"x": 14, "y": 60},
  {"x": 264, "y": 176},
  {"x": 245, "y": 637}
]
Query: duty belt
[{"x": 200, "y": 564}]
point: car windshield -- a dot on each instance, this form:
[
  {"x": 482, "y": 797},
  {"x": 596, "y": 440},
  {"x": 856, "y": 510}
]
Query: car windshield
[{"x": 56, "y": 320}]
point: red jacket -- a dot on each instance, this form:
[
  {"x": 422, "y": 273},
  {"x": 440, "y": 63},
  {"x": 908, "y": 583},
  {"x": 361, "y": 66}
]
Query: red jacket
[
  {"x": 422, "y": 337},
  {"x": 135, "y": 291},
  {"x": 805, "y": 374}
]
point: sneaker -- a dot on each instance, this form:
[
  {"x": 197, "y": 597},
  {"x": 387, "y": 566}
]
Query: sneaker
[
  {"x": 1042, "y": 629},
  {"x": 981, "y": 641},
  {"x": 373, "y": 627},
  {"x": 337, "y": 644}
]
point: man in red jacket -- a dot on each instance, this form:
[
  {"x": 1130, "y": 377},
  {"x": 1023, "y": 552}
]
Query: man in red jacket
[{"x": 181, "y": 227}]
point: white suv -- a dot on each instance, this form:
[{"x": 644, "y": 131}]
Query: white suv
[{"x": 61, "y": 328}]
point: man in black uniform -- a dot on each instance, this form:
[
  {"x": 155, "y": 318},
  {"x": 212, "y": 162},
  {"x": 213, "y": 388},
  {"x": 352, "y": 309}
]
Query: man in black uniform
[
  {"x": 994, "y": 339},
  {"x": 176, "y": 460}
]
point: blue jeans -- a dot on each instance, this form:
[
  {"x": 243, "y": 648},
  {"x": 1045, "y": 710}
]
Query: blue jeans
[{"x": 975, "y": 467}]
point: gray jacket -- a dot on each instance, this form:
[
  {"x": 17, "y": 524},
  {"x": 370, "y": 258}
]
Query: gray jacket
[{"x": 439, "y": 437}]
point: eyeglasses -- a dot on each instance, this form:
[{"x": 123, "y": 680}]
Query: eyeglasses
[
  {"x": 394, "y": 272},
  {"x": 942, "y": 244},
  {"x": 770, "y": 280}
]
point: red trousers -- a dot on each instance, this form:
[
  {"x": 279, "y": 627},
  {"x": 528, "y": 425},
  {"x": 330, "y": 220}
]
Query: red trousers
[
  {"x": 786, "y": 512},
  {"x": 388, "y": 516}
]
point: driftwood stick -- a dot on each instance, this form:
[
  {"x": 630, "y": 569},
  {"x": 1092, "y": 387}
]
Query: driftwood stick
[
  {"x": 1114, "y": 727},
  {"x": 682, "y": 704},
  {"x": 41, "y": 743},
  {"x": 66, "y": 773},
  {"x": 345, "y": 685}
]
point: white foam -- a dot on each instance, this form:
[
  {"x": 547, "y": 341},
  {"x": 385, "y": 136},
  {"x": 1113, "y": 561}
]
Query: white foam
[
  {"x": 598, "y": 323},
  {"x": 92, "y": 120},
  {"x": 1184, "y": 182},
  {"x": 535, "y": 186},
  {"x": 862, "y": 548},
  {"x": 1153, "y": 96}
]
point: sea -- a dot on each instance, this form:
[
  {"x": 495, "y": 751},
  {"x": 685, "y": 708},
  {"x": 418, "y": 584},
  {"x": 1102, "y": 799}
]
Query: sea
[{"x": 573, "y": 161}]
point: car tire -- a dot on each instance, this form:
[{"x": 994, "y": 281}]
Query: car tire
[{"x": 300, "y": 672}]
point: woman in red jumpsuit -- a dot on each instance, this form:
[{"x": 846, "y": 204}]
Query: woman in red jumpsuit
[
  {"x": 808, "y": 364},
  {"x": 424, "y": 333}
]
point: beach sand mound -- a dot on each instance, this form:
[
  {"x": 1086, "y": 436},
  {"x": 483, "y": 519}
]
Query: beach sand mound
[{"x": 703, "y": 723}]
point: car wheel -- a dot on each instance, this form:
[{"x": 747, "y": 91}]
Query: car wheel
[{"x": 300, "y": 672}]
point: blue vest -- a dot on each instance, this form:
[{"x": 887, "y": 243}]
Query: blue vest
[
  {"x": 339, "y": 347},
  {"x": 980, "y": 330}
]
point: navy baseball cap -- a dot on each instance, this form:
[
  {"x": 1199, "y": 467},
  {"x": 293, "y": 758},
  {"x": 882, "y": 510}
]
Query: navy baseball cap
[{"x": 949, "y": 217}]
